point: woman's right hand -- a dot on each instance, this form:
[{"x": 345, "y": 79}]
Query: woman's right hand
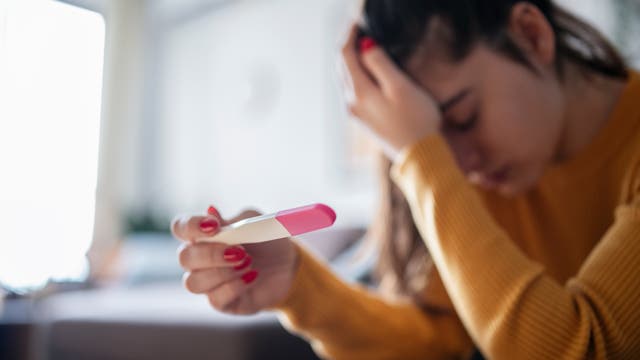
[{"x": 242, "y": 279}]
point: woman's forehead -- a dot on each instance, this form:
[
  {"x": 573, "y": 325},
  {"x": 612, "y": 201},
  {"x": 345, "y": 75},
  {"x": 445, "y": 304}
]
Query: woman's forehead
[{"x": 443, "y": 77}]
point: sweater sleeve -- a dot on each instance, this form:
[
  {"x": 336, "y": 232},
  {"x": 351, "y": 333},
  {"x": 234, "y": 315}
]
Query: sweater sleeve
[
  {"x": 510, "y": 307},
  {"x": 345, "y": 321}
]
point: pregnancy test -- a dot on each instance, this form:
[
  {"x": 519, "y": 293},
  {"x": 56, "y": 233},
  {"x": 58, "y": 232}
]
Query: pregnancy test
[{"x": 274, "y": 226}]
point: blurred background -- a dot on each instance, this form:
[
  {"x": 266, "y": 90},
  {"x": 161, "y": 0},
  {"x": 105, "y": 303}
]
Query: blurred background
[{"x": 117, "y": 115}]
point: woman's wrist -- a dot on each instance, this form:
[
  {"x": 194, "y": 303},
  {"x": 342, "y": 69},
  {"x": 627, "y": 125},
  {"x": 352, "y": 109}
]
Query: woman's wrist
[
  {"x": 291, "y": 273},
  {"x": 402, "y": 153}
]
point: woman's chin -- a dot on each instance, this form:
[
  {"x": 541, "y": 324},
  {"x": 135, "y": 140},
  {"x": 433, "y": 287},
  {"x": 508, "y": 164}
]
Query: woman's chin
[
  {"x": 509, "y": 190},
  {"x": 516, "y": 186},
  {"x": 508, "y": 184},
  {"x": 507, "y": 187}
]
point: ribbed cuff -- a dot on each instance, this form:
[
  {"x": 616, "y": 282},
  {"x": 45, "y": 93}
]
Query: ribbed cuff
[
  {"x": 313, "y": 282},
  {"x": 431, "y": 157}
]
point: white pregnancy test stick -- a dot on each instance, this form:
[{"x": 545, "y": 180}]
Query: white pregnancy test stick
[{"x": 274, "y": 226}]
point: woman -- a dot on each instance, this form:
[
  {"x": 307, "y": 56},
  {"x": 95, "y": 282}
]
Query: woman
[{"x": 513, "y": 133}]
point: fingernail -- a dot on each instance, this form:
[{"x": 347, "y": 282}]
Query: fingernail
[
  {"x": 208, "y": 225},
  {"x": 367, "y": 43},
  {"x": 245, "y": 264},
  {"x": 250, "y": 276},
  {"x": 233, "y": 254},
  {"x": 213, "y": 211}
]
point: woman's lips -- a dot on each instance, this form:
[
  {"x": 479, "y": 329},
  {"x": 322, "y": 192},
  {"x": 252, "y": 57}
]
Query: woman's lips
[
  {"x": 491, "y": 180},
  {"x": 500, "y": 176}
]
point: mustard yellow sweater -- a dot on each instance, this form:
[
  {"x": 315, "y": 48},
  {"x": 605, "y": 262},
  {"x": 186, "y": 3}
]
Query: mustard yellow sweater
[{"x": 551, "y": 274}]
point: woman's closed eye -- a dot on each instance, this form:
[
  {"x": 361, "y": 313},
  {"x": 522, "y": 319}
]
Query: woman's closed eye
[{"x": 461, "y": 126}]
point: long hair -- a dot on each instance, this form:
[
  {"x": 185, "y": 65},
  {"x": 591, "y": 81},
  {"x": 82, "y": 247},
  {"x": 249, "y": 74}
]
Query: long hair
[{"x": 399, "y": 26}]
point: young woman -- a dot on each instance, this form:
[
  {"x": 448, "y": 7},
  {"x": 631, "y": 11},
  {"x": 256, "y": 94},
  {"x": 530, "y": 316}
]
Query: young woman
[{"x": 512, "y": 131}]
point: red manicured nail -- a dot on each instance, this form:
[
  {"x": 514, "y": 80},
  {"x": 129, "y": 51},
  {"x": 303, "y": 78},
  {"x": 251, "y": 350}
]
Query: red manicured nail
[
  {"x": 367, "y": 43},
  {"x": 245, "y": 263},
  {"x": 234, "y": 254},
  {"x": 208, "y": 225},
  {"x": 213, "y": 212},
  {"x": 250, "y": 276}
]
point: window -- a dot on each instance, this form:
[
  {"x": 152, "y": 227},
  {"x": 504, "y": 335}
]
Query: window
[{"x": 51, "y": 58}]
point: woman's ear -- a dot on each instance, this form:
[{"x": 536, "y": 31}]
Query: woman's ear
[{"x": 533, "y": 32}]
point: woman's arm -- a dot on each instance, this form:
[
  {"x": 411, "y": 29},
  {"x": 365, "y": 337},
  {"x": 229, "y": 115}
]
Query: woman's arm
[
  {"x": 343, "y": 321},
  {"x": 509, "y": 306}
]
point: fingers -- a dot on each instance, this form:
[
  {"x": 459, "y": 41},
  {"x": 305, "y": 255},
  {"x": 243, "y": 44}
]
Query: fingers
[
  {"x": 200, "y": 256},
  {"x": 386, "y": 73},
  {"x": 359, "y": 79},
  {"x": 369, "y": 66},
  {"x": 222, "y": 272},
  {"x": 190, "y": 228},
  {"x": 227, "y": 293},
  {"x": 203, "y": 281}
]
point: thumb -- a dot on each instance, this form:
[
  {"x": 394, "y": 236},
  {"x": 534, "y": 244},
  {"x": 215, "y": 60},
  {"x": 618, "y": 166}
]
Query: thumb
[{"x": 380, "y": 66}]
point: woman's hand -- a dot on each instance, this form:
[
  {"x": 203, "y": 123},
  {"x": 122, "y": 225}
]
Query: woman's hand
[
  {"x": 236, "y": 279},
  {"x": 387, "y": 101}
]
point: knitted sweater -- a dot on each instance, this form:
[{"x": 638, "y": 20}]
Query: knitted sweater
[{"x": 550, "y": 274}]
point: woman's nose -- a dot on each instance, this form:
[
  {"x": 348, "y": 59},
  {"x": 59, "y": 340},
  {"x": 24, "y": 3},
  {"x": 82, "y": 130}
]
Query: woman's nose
[
  {"x": 468, "y": 155},
  {"x": 471, "y": 161}
]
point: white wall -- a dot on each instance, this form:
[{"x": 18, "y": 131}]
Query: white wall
[{"x": 250, "y": 112}]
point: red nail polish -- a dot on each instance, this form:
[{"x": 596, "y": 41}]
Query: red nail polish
[
  {"x": 208, "y": 225},
  {"x": 234, "y": 254},
  {"x": 213, "y": 212},
  {"x": 250, "y": 277},
  {"x": 245, "y": 264},
  {"x": 367, "y": 43}
]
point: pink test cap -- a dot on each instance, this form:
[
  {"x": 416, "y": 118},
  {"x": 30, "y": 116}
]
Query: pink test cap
[{"x": 306, "y": 218}]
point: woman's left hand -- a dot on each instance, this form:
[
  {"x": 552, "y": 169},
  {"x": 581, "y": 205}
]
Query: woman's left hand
[{"x": 384, "y": 99}]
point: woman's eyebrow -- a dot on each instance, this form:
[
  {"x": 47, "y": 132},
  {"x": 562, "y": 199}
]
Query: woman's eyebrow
[{"x": 446, "y": 105}]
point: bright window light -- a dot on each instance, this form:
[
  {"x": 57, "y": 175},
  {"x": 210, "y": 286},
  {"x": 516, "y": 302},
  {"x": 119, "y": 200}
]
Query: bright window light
[{"x": 51, "y": 57}]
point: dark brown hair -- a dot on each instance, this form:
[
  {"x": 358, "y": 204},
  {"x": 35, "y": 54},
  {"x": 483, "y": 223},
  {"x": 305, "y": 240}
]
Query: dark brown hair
[{"x": 399, "y": 26}]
